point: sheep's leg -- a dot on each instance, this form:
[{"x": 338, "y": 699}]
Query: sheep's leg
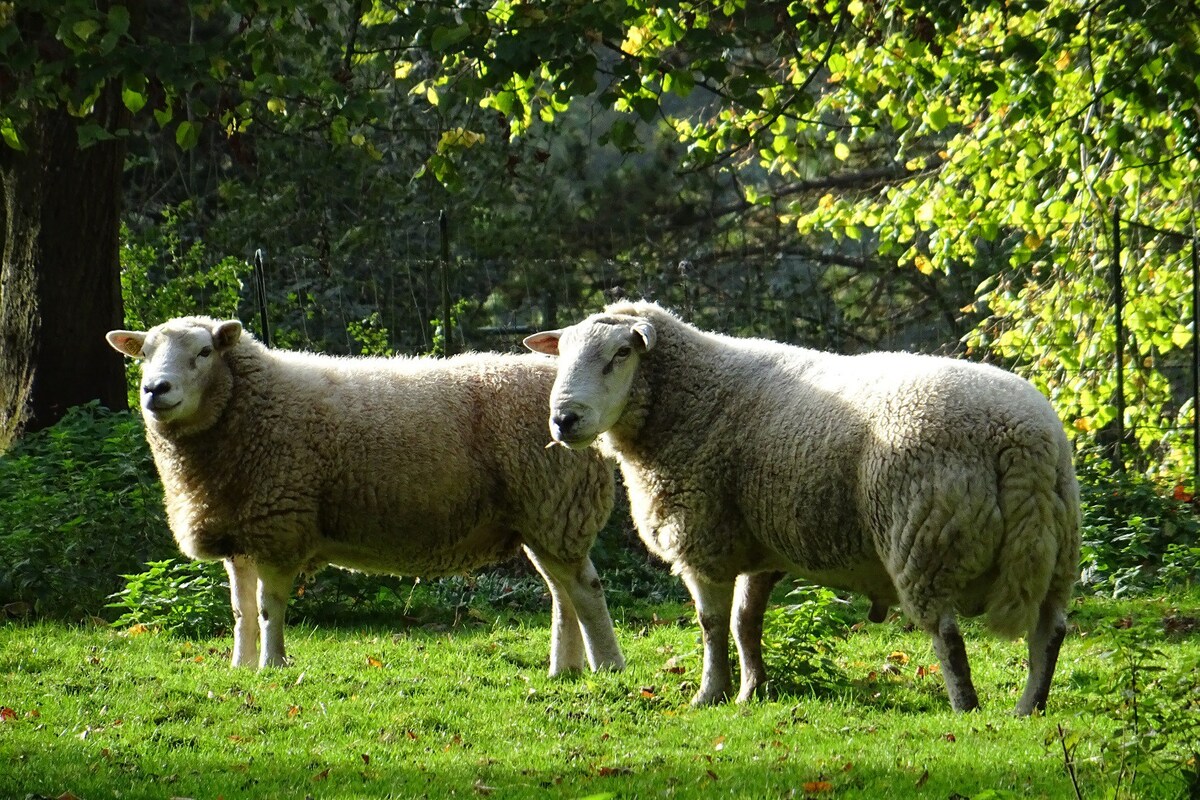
[
  {"x": 566, "y": 638},
  {"x": 952, "y": 653},
  {"x": 751, "y": 593},
  {"x": 714, "y": 602},
  {"x": 581, "y": 619},
  {"x": 1044, "y": 644},
  {"x": 274, "y": 589},
  {"x": 243, "y": 588}
]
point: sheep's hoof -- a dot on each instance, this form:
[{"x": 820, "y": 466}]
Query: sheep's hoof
[
  {"x": 710, "y": 697},
  {"x": 565, "y": 672},
  {"x": 757, "y": 691}
]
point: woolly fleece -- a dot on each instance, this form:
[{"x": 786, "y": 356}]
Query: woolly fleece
[
  {"x": 943, "y": 485},
  {"x": 410, "y": 466}
]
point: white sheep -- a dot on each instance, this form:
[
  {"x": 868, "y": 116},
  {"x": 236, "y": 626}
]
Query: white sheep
[
  {"x": 280, "y": 462},
  {"x": 943, "y": 485}
]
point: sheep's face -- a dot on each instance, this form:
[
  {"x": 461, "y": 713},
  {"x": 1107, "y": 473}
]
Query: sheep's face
[
  {"x": 597, "y": 362},
  {"x": 178, "y": 361}
]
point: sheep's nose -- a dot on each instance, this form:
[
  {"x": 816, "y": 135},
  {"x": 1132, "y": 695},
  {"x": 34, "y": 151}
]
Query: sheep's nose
[
  {"x": 156, "y": 388},
  {"x": 565, "y": 420}
]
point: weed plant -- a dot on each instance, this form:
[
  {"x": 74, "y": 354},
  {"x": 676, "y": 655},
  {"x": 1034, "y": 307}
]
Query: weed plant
[
  {"x": 1137, "y": 538},
  {"x": 81, "y": 506}
]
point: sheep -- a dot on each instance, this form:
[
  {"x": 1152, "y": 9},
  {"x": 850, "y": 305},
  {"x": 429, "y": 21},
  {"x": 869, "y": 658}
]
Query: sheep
[
  {"x": 281, "y": 462},
  {"x": 942, "y": 485}
]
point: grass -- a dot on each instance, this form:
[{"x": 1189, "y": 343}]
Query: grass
[{"x": 468, "y": 711}]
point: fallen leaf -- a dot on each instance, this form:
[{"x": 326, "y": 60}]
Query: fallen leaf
[
  {"x": 320, "y": 776},
  {"x": 6, "y": 714},
  {"x": 18, "y": 609},
  {"x": 608, "y": 772},
  {"x": 366, "y": 758},
  {"x": 712, "y": 775},
  {"x": 898, "y": 657},
  {"x": 949, "y": 737},
  {"x": 921, "y": 780},
  {"x": 293, "y": 711},
  {"x": 813, "y": 787},
  {"x": 374, "y": 662},
  {"x": 410, "y": 735},
  {"x": 482, "y": 788},
  {"x": 647, "y": 691},
  {"x": 719, "y": 743}
]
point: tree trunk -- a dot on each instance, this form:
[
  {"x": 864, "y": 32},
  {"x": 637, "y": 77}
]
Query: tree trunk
[{"x": 60, "y": 287}]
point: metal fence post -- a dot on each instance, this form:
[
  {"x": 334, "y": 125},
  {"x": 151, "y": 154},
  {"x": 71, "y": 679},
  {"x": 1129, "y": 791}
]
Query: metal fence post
[
  {"x": 447, "y": 334},
  {"x": 1119, "y": 306}
]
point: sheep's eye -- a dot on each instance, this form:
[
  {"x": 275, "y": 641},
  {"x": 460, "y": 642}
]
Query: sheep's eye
[
  {"x": 205, "y": 352},
  {"x": 624, "y": 352}
]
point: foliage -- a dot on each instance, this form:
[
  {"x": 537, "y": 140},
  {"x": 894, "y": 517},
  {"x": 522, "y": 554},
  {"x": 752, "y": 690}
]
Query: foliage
[
  {"x": 1157, "y": 711},
  {"x": 1135, "y": 539},
  {"x": 163, "y": 277},
  {"x": 371, "y": 336},
  {"x": 188, "y": 598},
  {"x": 81, "y": 505},
  {"x": 853, "y": 174},
  {"x": 800, "y": 641},
  {"x": 999, "y": 140}
]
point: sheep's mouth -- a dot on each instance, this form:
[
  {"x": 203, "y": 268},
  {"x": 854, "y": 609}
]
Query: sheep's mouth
[
  {"x": 156, "y": 406},
  {"x": 574, "y": 442}
]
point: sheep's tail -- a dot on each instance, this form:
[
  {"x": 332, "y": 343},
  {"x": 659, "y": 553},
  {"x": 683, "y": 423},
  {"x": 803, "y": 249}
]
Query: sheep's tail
[{"x": 1039, "y": 556}]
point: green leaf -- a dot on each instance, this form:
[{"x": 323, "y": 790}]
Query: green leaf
[
  {"x": 503, "y": 102},
  {"x": 841, "y": 151},
  {"x": 645, "y": 107},
  {"x": 89, "y": 133},
  {"x": 937, "y": 116},
  {"x": 10, "y": 136},
  {"x": 679, "y": 81},
  {"x": 132, "y": 99},
  {"x": 445, "y": 38},
  {"x": 118, "y": 20},
  {"x": 84, "y": 28},
  {"x": 187, "y": 135}
]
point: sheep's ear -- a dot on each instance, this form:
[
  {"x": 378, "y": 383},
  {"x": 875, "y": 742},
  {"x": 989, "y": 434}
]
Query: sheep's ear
[
  {"x": 226, "y": 334},
  {"x": 645, "y": 331},
  {"x": 127, "y": 342},
  {"x": 544, "y": 342}
]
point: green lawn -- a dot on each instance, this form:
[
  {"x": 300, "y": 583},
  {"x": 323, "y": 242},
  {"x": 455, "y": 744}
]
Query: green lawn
[{"x": 468, "y": 711}]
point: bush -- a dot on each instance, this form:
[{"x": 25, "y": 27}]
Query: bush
[
  {"x": 801, "y": 638},
  {"x": 190, "y": 598},
  {"x": 1136, "y": 538},
  {"x": 81, "y": 505}
]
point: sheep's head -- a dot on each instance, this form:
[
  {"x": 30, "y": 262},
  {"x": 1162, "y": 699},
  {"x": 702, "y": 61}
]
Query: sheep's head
[
  {"x": 597, "y": 361},
  {"x": 180, "y": 366}
]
